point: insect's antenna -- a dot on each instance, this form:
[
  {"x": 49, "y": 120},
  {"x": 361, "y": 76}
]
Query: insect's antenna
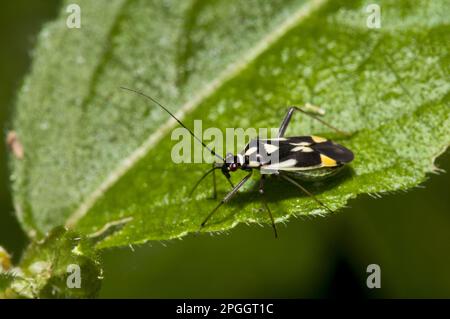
[{"x": 174, "y": 117}]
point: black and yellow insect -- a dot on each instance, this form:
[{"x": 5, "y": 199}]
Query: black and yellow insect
[{"x": 295, "y": 159}]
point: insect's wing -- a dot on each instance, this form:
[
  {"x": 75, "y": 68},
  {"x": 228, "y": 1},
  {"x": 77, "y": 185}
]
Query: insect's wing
[
  {"x": 337, "y": 152},
  {"x": 306, "y": 153}
]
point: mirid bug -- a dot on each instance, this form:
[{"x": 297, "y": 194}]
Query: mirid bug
[{"x": 297, "y": 158}]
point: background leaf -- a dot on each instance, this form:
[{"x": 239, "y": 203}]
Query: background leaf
[
  {"x": 44, "y": 271},
  {"x": 6, "y": 279},
  {"x": 379, "y": 84}
]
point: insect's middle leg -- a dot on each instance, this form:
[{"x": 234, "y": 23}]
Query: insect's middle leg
[
  {"x": 263, "y": 200},
  {"x": 227, "y": 198}
]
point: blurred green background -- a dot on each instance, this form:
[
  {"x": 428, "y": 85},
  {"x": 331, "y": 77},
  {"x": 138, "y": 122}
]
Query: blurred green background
[{"x": 407, "y": 234}]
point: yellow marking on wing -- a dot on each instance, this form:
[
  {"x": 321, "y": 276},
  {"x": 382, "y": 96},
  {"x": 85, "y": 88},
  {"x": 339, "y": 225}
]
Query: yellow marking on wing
[
  {"x": 327, "y": 161},
  {"x": 318, "y": 139}
]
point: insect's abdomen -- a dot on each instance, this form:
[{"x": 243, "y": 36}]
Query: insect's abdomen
[{"x": 317, "y": 174}]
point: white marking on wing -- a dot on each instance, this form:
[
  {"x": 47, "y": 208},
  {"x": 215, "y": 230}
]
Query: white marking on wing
[
  {"x": 301, "y": 144},
  {"x": 266, "y": 170},
  {"x": 251, "y": 150},
  {"x": 254, "y": 164},
  {"x": 282, "y": 165},
  {"x": 270, "y": 148},
  {"x": 302, "y": 149},
  {"x": 273, "y": 139}
]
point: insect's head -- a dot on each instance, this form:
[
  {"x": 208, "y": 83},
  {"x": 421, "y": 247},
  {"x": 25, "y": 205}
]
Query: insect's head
[{"x": 231, "y": 164}]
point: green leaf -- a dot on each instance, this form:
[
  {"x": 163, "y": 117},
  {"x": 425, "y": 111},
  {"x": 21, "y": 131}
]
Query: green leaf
[
  {"x": 46, "y": 268},
  {"x": 6, "y": 279},
  {"x": 99, "y": 159}
]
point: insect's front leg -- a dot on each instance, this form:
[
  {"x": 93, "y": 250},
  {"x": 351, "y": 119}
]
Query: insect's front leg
[
  {"x": 227, "y": 198},
  {"x": 263, "y": 200},
  {"x": 214, "y": 184}
]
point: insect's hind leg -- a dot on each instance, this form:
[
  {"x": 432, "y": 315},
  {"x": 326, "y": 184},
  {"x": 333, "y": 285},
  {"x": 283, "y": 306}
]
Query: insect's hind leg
[
  {"x": 292, "y": 181},
  {"x": 285, "y": 123},
  {"x": 263, "y": 200},
  {"x": 307, "y": 109}
]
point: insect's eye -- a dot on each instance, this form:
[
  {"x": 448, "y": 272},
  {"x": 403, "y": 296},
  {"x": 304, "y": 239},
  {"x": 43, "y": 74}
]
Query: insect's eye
[{"x": 233, "y": 167}]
